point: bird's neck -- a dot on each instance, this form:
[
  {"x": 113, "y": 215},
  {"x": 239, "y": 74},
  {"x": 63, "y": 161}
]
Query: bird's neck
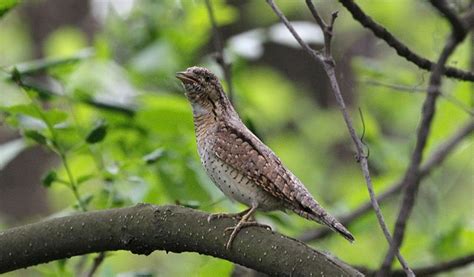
[{"x": 209, "y": 114}]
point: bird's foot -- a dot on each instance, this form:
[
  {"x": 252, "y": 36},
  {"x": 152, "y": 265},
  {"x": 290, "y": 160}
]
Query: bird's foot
[
  {"x": 241, "y": 225},
  {"x": 239, "y": 215}
]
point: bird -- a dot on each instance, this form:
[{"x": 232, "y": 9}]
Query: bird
[{"x": 240, "y": 164}]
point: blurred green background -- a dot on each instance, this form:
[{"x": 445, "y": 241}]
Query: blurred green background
[{"x": 105, "y": 113}]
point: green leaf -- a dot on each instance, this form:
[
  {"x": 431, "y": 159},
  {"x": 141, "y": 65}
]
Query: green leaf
[
  {"x": 25, "y": 109},
  {"x": 6, "y": 5},
  {"x": 448, "y": 242},
  {"x": 16, "y": 75},
  {"x": 36, "y": 136},
  {"x": 55, "y": 116},
  {"x": 84, "y": 178},
  {"x": 154, "y": 156},
  {"x": 49, "y": 178},
  {"x": 98, "y": 133}
]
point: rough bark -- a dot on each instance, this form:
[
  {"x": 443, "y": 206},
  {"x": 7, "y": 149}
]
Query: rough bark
[{"x": 145, "y": 228}]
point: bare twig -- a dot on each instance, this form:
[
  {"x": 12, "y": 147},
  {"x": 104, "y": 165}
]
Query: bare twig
[
  {"x": 95, "y": 265},
  {"x": 458, "y": 27},
  {"x": 441, "y": 267},
  {"x": 453, "y": 100},
  {"x": 219, "y": 55},
  {"x": 328, "y": 63},
  {"x": 33, "y": 67},
  {"x": 412, "y": 178},
  {"x": 436, "y": 159},
  {"x": 428, "y": 270},
  {"x": 401, "y": 49},
  {"x": 404, "y": 88}
]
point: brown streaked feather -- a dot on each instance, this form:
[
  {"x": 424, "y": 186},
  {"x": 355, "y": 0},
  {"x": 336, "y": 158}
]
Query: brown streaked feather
[
  {"x": 259, "y": 163},
  {"x": 242, "y": 166},
  {"x": 247, "y": 154}
]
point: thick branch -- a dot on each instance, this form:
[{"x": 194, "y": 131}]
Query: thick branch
[
  {"x": 401, "y": 49},
  {"x": 436, "y": 159},
  {"x": 412, "y": 178},
  {"x": 144, "y": 228}
]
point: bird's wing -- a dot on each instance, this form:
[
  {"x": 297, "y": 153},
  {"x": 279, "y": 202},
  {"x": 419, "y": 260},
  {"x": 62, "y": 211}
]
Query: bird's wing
[{"x": 243, "y": 151}]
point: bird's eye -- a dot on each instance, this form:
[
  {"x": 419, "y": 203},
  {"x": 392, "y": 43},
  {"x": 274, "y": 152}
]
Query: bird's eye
[{"x": 207, "y": 79}]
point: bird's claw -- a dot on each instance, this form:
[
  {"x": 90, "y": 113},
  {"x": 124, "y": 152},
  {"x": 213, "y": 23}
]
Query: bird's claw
[
  {"x": 212, "y": 217},
  {"x": 241, "y": 225},
  {"x": 249, "y": 224},
  {"x": 239, "y": 215}
]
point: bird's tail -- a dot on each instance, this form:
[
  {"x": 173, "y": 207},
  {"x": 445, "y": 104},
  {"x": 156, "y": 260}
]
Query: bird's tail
[{"x": 319, "y": 215}]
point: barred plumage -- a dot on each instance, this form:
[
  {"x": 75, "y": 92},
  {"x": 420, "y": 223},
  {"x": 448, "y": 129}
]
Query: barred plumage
[{"x": 242, "y": 166}]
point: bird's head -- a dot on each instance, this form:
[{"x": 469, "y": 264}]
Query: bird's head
[{"x": 203, "y": 90}]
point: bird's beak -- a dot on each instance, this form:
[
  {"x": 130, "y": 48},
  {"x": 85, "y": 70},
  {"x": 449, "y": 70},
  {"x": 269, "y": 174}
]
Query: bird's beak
[{"x": 186, "y": 77}]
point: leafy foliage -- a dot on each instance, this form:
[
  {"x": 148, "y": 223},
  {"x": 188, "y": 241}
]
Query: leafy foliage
[
  {"x": 7, "y": 5},
  {"x": 123, "y": 131}
]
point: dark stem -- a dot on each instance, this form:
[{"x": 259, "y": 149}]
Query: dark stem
[
  {"x": 329, "y": 65},
  {"x": 415, "y": 89},
  {"x": 412, "y": 178},
  {"x": 96, "y": 264},
  {"x": 401, "y": 49},
  {"x": 435, "y": 160},
  {"x": 431, "y": 270}
]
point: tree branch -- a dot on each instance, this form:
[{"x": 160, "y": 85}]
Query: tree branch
[
  {"x": 428, "y": 270},
  {"x": 327, "y": 60},
  {"x": 33, "y": 67},
  {"x": 144, "y": 228},
  {"x": 413, "y": 89},
  {"x": 411, "y": 180},
  {"x": 458, "y": 27},
  {"x": 401, "y": 49},
  {"x": 435, "y": 160}
]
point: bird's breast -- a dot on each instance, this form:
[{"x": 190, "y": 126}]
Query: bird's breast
[{"x": 235, "y": 184}]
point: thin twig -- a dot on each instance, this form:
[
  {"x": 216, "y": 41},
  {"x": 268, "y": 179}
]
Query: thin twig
[
  {"x": 435, "y": 160},
  {"x": 33, "y": 67},
  {"x": 458, "y": 27},
  {"x": 328, "y": 63},
  {"x": 401, "y": 49},
  {"x": 411, "y": 179},
  {"x": 453, "y": 100},
  {"x": 17, "y": 78},
  {"x": 441, "y": 267},
  {"x": 97, "y": 262},
  {"x": 427, "y": 270},
  {"x": 219, "y": 55}
]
